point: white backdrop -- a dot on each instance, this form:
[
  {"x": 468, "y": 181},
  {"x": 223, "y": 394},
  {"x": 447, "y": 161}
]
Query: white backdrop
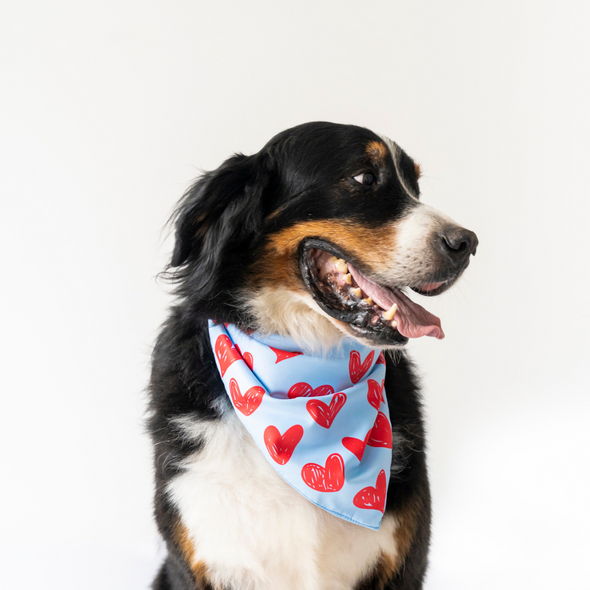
[{"x": 109, "y": 109}]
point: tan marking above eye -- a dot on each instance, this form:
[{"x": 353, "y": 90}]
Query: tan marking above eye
[{"x": 376, "y": 150}]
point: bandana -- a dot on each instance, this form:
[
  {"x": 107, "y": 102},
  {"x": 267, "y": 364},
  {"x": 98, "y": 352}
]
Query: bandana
[{"x": 321, "y": 421}]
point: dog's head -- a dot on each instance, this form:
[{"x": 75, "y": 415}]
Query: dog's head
[{"x": 315, "y": 237}]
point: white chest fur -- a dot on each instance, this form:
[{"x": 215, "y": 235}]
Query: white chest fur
[{"x": 252, "y": 531}]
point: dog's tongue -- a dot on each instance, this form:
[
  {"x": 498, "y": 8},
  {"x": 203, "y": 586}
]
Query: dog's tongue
[{"x": 412, "y": 319}]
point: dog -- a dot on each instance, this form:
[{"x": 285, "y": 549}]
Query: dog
[{"x": 316, "y": 238}]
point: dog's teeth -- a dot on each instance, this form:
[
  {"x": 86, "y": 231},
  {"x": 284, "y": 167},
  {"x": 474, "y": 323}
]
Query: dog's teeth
[
  {"x": 348, "y": 279},
  {"x": 356, "y": 291},
  {"x": 368, "y": 300},
  {"x": 341, "y": 265},
  {"x": 388, "y": 315},
  {"x": 394, "y": 325}
]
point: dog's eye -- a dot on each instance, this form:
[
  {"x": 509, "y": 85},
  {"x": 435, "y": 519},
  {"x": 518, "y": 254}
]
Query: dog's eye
[{"x": 366, "y": 178}]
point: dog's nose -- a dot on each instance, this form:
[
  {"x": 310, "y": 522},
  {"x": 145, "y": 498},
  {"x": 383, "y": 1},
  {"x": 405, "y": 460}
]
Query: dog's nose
[{"x": 458, "y": 243}]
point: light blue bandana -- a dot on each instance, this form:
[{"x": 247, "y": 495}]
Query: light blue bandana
[{"x": 322, "y": 422}]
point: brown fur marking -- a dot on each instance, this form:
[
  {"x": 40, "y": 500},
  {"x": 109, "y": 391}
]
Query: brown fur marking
[
  {"x": 418, "y": 170},
  {"x": 279, "y": 265},
  {"x": 387, "y": 566},
  {"x": 407, "y": 523},
  {"x": 384, "y": 570},
  {"x": 187, "y": 548},
  {"x": 376, "y": 150}
]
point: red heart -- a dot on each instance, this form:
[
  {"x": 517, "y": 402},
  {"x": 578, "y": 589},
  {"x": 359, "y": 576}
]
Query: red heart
[
  {"x": 226, "y": 353},
  {"x": 249, "y": 402},
  {"x": 375, "y": 393},
  {"x": 380, "y": 359},
  {"x": 381, "y": 432},
  {"x": 356, "y": 445},
  {"x": 328, "y": 479},
  {"x": 280, "y": 448},
  {"x": 283, "y": 355},
  {"x": 303, "y": 389},
  {"x": 357, "y": 369},
  {"x": 373, "y": 497},
  {"x": 249, "y": 360},
  {"x": 322, "y": 413}
]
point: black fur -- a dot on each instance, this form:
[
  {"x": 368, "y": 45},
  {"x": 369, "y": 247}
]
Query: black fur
[{"x": 222, "y": 224}]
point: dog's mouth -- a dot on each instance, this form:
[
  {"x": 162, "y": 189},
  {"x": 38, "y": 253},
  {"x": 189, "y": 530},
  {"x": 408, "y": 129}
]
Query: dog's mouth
[{"x": 382, "y": 314}]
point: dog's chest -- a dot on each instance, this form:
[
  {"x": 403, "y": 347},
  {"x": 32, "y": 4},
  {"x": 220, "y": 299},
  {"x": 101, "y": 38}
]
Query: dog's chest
[{"x": 251, "y": 530}]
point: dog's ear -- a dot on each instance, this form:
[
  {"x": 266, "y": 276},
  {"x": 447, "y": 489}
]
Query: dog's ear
[{"x": 219, "y": 218}]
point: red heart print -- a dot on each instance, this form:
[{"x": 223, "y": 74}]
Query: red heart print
[
  {"x": 226, "y": 353},
  {"x": 249, "y": 360},
  {"x": 247, "y": 403},
  {"x": 325, "y": 479},
  {"x": 322, "y": 413},
  {"x": 375, "y": 393},
  {"x": 380, "y": 359},
  {"x": 357, "y": 369},
  {"x": 283, "y": 355},
  {"x": 356, "y": 446},
  {"x": 303, "y": 389},
  {"x": 373, "y": 498},
  {"x": 381, "y": 433},
  {"x": 280, "y": 448}
]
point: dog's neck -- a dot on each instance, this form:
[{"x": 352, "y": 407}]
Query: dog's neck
[{"x": 280, "y": 311}]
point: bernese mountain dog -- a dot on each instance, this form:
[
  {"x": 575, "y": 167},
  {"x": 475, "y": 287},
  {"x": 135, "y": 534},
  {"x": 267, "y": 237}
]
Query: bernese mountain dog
[{"x": 317, "y": 237}]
